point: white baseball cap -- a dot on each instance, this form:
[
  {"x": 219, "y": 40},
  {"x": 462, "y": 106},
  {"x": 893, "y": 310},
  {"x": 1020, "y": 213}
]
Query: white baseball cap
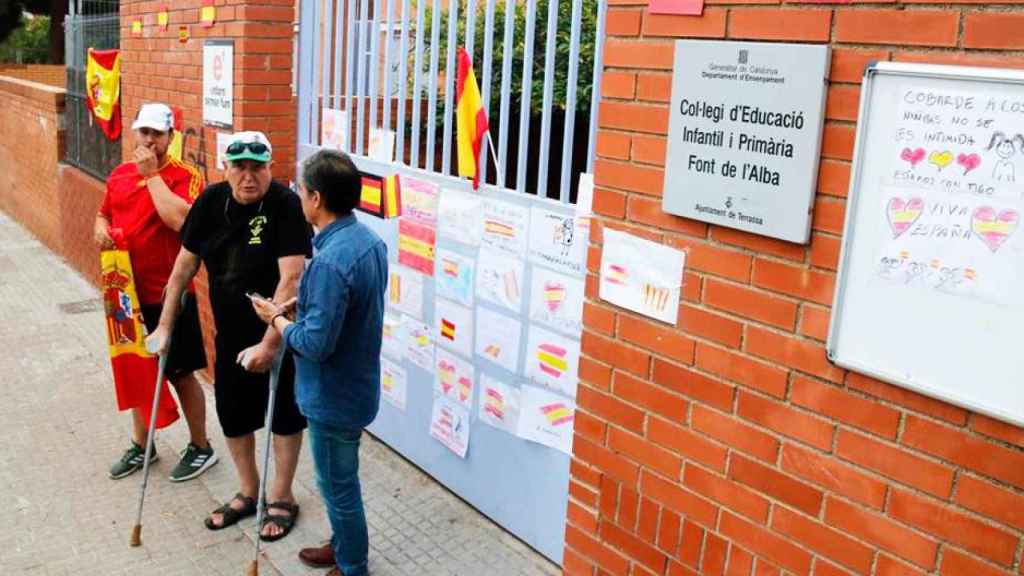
[
  {"x": 238, "y": 148},
  {"x": 156, "y": 116}
]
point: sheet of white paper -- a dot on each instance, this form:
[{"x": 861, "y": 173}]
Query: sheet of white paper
[
  {"x": 393, "y": 383},
  {"x": 453, "y": 327},
  {"x": 419, "y": 343},
  {"x": 449, "y": 425},
  {"x": 505, "y": 226},
  {"x": 454, "y": 276},
  {"x": 405, "y": 290},
  {"x": 557, "y": 241},
  {"x": 498, "y": 404},
  {"x": 556, "y": 300},
  {"x": 419, "y": 200},
  {"x": 641, "y": 275},
  {"x": 459, "y": 216},
  {"x": 546, "y": 418},
  {"x": 393, "y": 343},
  {"x": 382, "y": 145},
  {"x": 585, "y": 196},
  {"x": 334, "y": 129},
  {"x": 223, "y": 140},
  {"x": 552, "y": 360},
  {"x": 499, "y": 280},
  {"x": 497, "y": 338},
  {"x": 454, "y": 378}
]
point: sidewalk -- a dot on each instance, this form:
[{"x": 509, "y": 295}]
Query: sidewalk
[{"x": 61, "y": 432}]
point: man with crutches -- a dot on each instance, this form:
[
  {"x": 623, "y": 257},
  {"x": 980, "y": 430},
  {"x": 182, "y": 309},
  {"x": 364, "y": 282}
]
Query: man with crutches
[
  {"x": 250, "y": 234},
  {"x": 145, "y": 203},
  {"x": 336, "y": 338}
]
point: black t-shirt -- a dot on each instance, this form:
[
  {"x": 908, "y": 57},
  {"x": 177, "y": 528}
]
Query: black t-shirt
[{"x": 240, "y": 245}]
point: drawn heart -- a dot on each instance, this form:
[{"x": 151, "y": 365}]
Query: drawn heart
[
  {"x": 447, "y": 372},
  {"x": 941, "y": 159},
  {"x": 903, "y": 213},
  {"x": 993, "y": 229},
  {"x": 554, "y": 295},
  {"x": 912, "y": 156},
  {"x": 968, "y": 161}
]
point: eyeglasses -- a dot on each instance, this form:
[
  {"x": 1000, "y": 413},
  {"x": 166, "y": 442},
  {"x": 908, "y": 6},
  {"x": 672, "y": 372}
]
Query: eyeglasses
[{"x": 254, "y": 147}]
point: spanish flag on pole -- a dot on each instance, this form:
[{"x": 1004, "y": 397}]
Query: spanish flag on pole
[
  {"x": 471, "y": 120},
  {"x": 103, "y": 90}
]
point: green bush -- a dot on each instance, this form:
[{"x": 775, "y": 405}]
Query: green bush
[{"x": 28, "y": 44}]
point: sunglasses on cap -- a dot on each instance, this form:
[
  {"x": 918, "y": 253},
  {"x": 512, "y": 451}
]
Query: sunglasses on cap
[{"x": 240, "y": 147}]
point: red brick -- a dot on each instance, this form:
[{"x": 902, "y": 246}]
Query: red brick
[
  {"x": 837, "y": 142},
  {"x": 906, "y": 398},
  {"x": 794, "y": 281},
  {"x": 763, "y": 568},
  {"x": 582, "y": 472},
  {"x": 654, "y": 399},
  {"x": 887, "y": 566},
  {"x": 913, "y": 27},
  {"x": 599, "y": 318},
  {"x": 711, "y": 24},
  {"x": 727, "y": 493},
  {"x": 643, "y": 54},
  {"x": 996, "y": 429},
  {"x": 647, "y": 523},
  {"x": 993, "y": 30},
  {"x": 614, "y": 145},
  {"x": 968, "y": 451},
  {"x": 803, "y": 355},
  {"x": 833, "y": 475},
  {"x": 952, "y": 526},
  {"x": 605, "y": 460},
  {"x": 691, "y": 446},
  {"x": 757, "y": 243},
  {"x": 688, "y": 504},
  {"x": 781, "y": 24},
  {"x": 645, "y": 453},
  {"x": 623, "y": 22},
  {"x": 711, "y": 326},
  {"x": 668, "y": 531},
  {"x": 775, "y": 484},
  {"x": 765, "y": 543},
  {"x": 609, "y": 503},
  {"x": 654, "y": 88},
  {"x": 784, "y": 420},
  {"x": 692, "y": 286},
  {"x": 998, "y": 60},
  {"x": 677, "y": 569},
  {"x": 750, "y": 303},
  {"x": 649, "y": 150},
  {"x": 845, "y": 407},
  {"x": 645, "y": 210},
  {"x": 629, "y": 507},
  {"x": 895, "y": 463},
  {"x": 829, "y": 215},
  {"x": 825, "y": 251},
  {"x": 634, "y": 117},
  {"x": 656, "y": 338},
  {"x": 618, "y": 85},
  {"x": 629, "y": 177},
  {"x": 814, "y": 322},
  {"x": 691, "y": 544},
  {"x": 823, "y": 540},
  {"x": 580, "y": 493},
  {"x": 703, "y": 257},
  {"x": 834, "y": 178},
  {"x": 581, "y": 518},
  {"x": 848, "y": 64},
  {"x": 740, "y": 562},
  {"x": 575, "y": 565},
  {"x": 735, "y": 433},
  {"x": 615, "y": 354},
  {"x": 693, "y": 384},
  {"x": 604, "y": 556},
  {"x": 843, "y": 103},
  {"x": 881, "y": 532},
  {"x": 596, "y": 374},
  {"x": 589, "y": 427},
  {"x": 713, "y": 560},
  {"x": 610, "y": 409},
  {"x": 955, "y": 563},
  {"x": 741, "y": 370}
]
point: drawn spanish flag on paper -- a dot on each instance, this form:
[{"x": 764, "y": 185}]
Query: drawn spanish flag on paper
[
  {"x": 208, "y": 14},
  {"x": 465, "y": 389},
  {"x": 557, "y": 413},
  {"x": 493, "y": 350},
  {"x": 416, "y": 243},
  {"x": 554, "y": 295},
  {"x": 387, "y": 381},
  {"x": 448, "y": 329},
  {"x": 450, "y": 267},
  {"x": 495, "y": 404},
  {"x": 499, "y": 229},
  {"x": 617, "y": 274},
  {"x": 551, "y": 359},
  {"x": 446, "y": 370},
  {"x": 395, "y": 290}
]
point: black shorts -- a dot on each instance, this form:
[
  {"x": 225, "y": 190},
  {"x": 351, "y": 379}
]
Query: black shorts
[
  {"x": 242, "y": 396},
  {"x": 186, "y": 354}
]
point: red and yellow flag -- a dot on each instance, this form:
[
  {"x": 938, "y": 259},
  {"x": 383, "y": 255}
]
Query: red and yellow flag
[
  {"x": 471, "y": 119},
  {"x": 103, "y": 90}
]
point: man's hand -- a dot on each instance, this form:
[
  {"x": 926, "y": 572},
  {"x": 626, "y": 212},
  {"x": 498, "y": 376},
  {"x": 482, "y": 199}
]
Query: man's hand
[
  {"x": 256, "y": 358},
  {"x": 159, "y": 341},
  {"x": 145, "y": 160},
  {"x": 101, "y": 235}
]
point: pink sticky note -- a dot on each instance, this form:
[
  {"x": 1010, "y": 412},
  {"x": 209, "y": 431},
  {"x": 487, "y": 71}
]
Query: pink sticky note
[{"x": 683, "y": 7}]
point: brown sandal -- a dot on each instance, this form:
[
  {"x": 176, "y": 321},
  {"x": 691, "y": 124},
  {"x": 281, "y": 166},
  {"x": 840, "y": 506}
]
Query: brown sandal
[{"x": 230, "y": 516}]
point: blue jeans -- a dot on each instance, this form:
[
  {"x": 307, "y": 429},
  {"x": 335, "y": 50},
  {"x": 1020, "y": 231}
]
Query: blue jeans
[{"x": 336, "y": 458}]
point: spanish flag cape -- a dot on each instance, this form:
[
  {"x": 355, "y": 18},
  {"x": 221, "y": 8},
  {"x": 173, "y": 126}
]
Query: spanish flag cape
[
  {"x": 471, "y": 119},
  {"x": 134, "y": 368},
  {"x": 103, "y": 90}
]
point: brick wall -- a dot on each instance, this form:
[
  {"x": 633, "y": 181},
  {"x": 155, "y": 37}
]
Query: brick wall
[
  {"x": 729, "y": 444},
  {"x": 51, "y": 74}
]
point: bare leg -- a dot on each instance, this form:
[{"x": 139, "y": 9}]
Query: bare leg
[
  {"x": 286, "y": 460},
  {"x": 243, "y": 453},
  {"x": 193, "y": 404},
  {"x": 140, "y": 428}
]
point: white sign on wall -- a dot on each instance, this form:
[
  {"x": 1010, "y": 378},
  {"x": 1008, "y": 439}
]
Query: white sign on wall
[
  {"x": 218, "y": 82},
  {"x": 745, "y": 135}
]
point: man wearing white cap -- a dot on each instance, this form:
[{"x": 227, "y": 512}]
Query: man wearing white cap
[
  {"x": 145, "y": 204},
  {"x": 251, "y": 234}
]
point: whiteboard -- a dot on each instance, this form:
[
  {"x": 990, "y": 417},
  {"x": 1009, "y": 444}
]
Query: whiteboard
[{"x": 930, "y": 292}]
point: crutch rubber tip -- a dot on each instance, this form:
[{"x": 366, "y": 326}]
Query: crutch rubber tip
[
  {"x": 253, "y": 569},
  {"x": 136, "y": 540}
]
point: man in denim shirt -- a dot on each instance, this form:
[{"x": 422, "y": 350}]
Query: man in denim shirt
[{"x": 336, "y": 338}]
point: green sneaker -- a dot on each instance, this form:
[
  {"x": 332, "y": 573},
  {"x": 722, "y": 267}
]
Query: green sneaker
[
  {"x": 131, "y": 461},
  {"x": 194, "y": 461}
]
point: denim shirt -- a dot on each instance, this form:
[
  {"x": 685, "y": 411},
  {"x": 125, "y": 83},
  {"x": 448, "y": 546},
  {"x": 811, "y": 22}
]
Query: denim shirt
[{"x": 339, "y": 325}]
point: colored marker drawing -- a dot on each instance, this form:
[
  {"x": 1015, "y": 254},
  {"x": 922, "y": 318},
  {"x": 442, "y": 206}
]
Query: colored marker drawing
[
  {"x": 497, "y": 338},
  {"x": 499, "y": 404},
  {"x": 499, "y": 279},
  {"x": 553, "y": 360},
  {"x": 505, "y": 227},
  {"x": 546, "y": 418},
  {"x": 556, "y": 300},
  {"x": 454, "y": 378},
  {"x": 455, "y": 276}
]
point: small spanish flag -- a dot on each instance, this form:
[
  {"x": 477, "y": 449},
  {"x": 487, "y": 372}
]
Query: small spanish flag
[
  {"x": 448, "y": 329},
  {"x": 103, "y": 90},
  {"x": 471, "y": 119},
  {"x": 208, "y": 14},
  {"x": 381, "y": 197},
  {"x": 557, "y": 414}
]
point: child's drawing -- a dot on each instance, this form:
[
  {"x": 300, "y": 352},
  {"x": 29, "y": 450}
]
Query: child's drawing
[{"x": 1005, "y": 147}]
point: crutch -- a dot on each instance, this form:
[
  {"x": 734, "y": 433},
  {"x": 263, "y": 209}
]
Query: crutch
[{"x": 275, "y": 375}]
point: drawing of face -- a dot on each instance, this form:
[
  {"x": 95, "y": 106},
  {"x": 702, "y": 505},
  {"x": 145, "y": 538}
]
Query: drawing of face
[{"x": 1005, "y": 149}]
